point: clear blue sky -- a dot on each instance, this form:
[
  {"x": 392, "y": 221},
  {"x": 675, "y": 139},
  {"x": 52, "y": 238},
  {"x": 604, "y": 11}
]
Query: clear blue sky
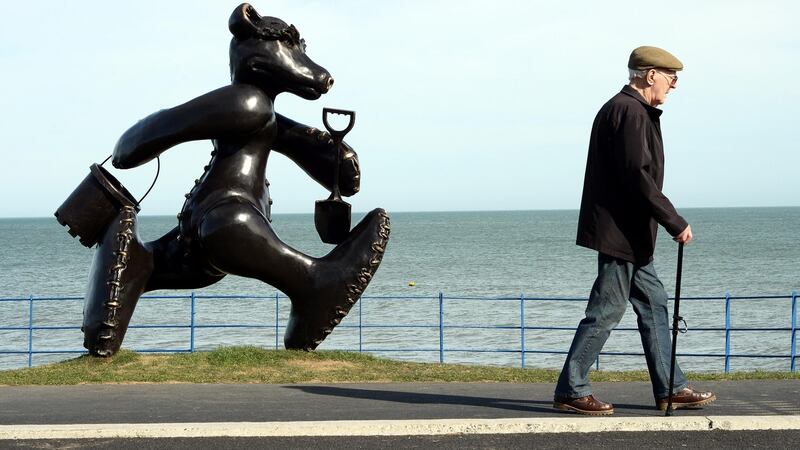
[{"x": 462, "y": 105}]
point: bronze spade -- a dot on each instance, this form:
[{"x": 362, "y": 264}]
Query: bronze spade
[{"x": 332, "y": 216}]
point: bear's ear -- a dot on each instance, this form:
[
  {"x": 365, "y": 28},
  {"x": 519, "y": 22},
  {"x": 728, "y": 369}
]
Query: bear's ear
[{"x": 243, "y": 21}]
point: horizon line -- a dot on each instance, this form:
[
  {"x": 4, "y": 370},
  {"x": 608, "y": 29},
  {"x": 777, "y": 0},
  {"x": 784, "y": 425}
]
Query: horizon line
[{"x": 448, "y": 211}]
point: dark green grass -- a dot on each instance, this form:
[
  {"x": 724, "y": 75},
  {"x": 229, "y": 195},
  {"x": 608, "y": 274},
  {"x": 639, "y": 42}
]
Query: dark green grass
[{"x": 257, "y": 365}]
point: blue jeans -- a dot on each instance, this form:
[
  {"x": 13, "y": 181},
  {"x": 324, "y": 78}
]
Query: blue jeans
[{"x": 619, "y": 281}]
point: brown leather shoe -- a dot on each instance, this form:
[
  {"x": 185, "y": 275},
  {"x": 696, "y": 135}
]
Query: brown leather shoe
[
  {"x": 687, "y": 398},
  {"x": 584, "y": 405}
]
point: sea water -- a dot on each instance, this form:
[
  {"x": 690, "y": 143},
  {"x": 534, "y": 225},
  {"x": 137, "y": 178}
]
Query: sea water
[{"x": 471, "y": 258}]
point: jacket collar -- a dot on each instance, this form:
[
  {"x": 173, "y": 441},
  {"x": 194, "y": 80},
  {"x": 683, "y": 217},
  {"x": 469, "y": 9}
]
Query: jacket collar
[{"x": 652, "y": 110}]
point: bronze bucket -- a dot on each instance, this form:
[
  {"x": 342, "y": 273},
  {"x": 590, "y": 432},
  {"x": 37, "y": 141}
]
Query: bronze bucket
[{"x": 93, "y": 205}]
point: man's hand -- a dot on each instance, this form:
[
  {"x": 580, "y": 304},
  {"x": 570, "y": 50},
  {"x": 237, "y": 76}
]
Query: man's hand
[{"x": 685, "y": 236}]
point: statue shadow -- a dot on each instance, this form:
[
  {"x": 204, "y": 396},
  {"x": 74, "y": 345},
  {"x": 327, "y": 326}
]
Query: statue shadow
[
  {"x": 429, "y": 399},
  {"x": 521, "y": 405}
]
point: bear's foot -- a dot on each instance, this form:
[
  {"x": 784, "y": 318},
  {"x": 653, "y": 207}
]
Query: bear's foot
[{"x": 341, "y": 278}]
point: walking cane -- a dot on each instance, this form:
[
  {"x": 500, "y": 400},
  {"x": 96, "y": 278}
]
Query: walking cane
[{"x": 676, "y": 318}]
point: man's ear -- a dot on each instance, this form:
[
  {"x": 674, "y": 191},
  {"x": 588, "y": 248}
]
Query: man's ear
[{"x": 651, "y": 77}]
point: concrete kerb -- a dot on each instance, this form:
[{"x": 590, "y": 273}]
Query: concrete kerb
[{"x": 398, "y": 427}]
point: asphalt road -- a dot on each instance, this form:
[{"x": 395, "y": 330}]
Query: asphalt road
[
  {"x": 177, "y": 403},
  {"x": 193, "y": 403},
  {"x": 609, "y": 440}
]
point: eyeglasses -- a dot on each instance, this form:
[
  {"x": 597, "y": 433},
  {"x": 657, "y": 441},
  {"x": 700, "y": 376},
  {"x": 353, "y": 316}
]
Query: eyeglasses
[{"x": 672, "y": 79}]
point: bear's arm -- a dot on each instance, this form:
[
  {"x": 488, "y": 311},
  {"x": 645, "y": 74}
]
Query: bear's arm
[
  {"x": 314, "y": 152},
  {"x": 226, "y": 112}
]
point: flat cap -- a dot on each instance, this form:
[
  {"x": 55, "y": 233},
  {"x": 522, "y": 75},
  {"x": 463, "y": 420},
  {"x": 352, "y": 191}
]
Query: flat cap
[{"x": 646, "y": 57}]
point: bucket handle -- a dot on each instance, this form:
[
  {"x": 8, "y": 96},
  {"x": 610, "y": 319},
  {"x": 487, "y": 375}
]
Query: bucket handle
[{"x": 158, "y": 171}]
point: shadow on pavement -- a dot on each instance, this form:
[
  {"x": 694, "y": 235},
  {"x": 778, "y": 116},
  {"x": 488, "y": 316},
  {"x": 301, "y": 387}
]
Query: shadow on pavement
[
  {"x": 422, "y": 398},
  {"x": 449, "y": 399}
]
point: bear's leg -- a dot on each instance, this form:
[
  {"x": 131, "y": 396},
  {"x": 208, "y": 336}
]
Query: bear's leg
[
  {"x": 174, "y": 267},
  {"x": 341, "y": 278},
  {"x": 238, "y": 239},
  {"x": 121, "y": 268}
]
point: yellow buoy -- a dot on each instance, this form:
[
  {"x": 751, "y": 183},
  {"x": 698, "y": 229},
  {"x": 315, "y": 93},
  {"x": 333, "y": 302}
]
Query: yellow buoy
[{"x": 412, "y": 283}]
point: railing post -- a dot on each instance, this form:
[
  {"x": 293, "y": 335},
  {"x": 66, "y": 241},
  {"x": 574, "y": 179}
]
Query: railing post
[
  {"x": 727, "y": 332},
  {"x": 30, "y": 331},
  {"x": 522, "y": 328},
  {"x": 441, "y": 327},
  {"x": 192, "y": 323},
  {"x": 360, "y": 323},
  {"x": 597, "y": 362},
  {"x": 277, "y": 315},
  {"x": 794, "y": 332}
]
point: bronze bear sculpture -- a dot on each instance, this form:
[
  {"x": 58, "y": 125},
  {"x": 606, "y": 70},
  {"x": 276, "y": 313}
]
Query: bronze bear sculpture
[{"x": 224, "y": 225}]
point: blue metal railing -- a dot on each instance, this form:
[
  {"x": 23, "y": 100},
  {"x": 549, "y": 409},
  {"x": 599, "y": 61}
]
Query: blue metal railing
[
  {"x": 794, "y": 332},
  {"x": 440, "y": 327}
]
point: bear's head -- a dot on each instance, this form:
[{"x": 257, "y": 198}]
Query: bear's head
[{"x": 270, "y": 54}]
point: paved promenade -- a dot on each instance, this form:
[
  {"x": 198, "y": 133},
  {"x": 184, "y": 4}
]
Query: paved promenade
[{"x": 364, "y": 410}]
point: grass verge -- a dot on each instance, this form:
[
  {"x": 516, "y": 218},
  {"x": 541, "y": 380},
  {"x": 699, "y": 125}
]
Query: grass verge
[{"x": 257, "y": 365}]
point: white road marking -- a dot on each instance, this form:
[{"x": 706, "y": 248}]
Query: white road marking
[{"x": 399, "y": 427}]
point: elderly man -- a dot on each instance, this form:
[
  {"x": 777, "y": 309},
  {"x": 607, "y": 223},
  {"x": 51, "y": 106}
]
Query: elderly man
[{"x": 621, "y": 209}]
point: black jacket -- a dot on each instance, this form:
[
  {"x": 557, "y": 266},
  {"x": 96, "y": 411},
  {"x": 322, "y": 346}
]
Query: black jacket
[{"x": 622, "y": 202}]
